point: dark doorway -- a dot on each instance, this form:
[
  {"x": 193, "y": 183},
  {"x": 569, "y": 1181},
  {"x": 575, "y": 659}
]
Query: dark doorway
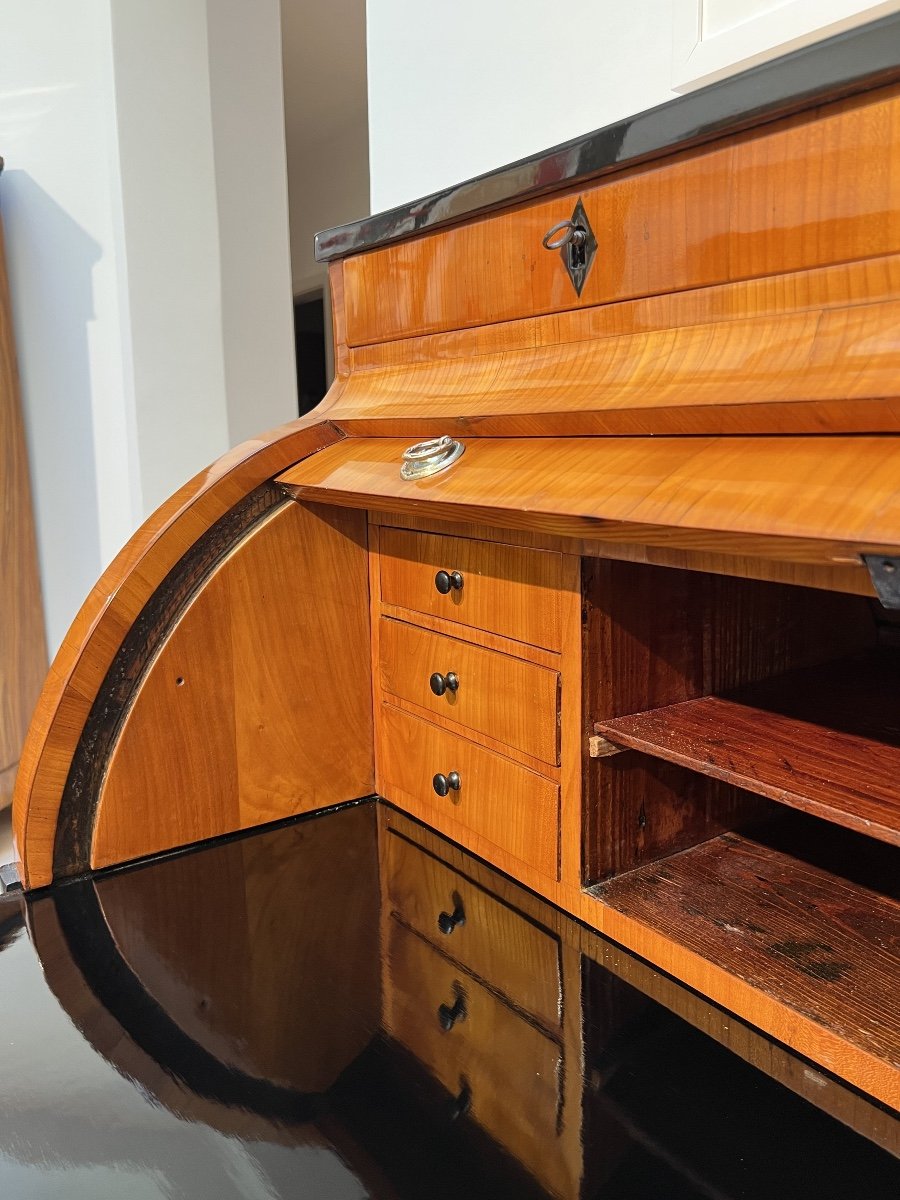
[{"x": 309, "y": 341}]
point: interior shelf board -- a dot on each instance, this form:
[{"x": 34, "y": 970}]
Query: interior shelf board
[
  {"x": 796, "y": 914},
  {"x": 824, "y": 740}
]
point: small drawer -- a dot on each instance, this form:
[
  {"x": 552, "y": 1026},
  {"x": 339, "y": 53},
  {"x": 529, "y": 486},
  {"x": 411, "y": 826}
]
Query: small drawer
[
  {"x": 504, "y": 803},
  {"x": 492, "y": 940},
  {"x": 510, "y": 1071},
  {"x": 504, "y": 589},
  {"x": 514, "y": 701}
]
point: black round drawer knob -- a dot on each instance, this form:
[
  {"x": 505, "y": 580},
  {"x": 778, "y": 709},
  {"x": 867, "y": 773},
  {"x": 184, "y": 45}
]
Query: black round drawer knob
[
  {"x": 443, "y": 683},
  {"x": 462, "y": 1102},
  {"x": 443, "y": 784},
  {"x": 447, "y": 922},
  {"x": 448, "y": 1014},
  {"x": 448, "y": 581}
]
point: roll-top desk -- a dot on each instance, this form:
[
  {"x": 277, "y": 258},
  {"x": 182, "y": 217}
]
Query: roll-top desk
[{"x": 637, "y": 646}]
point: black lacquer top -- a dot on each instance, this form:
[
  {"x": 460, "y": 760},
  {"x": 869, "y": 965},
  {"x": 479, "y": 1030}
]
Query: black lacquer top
[
  {"x": 850, "y": 62},
  {"x": 216, "y": 1025}
]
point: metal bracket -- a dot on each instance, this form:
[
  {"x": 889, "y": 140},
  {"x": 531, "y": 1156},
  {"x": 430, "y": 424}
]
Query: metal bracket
[
  {"x": 9, "y": 879},
  {"x": 575, "y": 241},
  {"x": 885, "y": 576}
]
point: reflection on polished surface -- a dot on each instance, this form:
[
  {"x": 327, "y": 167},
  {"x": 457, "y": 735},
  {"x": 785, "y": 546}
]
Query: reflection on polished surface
[{"x": 348, "y": 1006}]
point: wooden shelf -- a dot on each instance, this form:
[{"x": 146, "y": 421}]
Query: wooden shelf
[
  {"x": 824, "y": 740},
  {"x": 803, "y": 912}
]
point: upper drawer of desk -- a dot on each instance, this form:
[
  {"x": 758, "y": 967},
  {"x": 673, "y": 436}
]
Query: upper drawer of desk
[
  {"x": 503, "y": 589},
  {"x": 812, "y": 190}
]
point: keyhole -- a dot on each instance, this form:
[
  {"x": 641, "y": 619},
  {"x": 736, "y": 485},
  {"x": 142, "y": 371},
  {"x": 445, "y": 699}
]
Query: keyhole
[{"x": 577, "y": 256}]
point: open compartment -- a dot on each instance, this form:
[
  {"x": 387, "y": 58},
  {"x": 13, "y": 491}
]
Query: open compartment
[
  {"x": 747, "y": 800},
  {"x": 722, "y": 702}
]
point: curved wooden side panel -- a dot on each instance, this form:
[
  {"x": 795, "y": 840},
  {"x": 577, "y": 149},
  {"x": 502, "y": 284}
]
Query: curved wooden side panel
[
  {"x": 257, "y": 706},
  {"x": 123, "y": 594}
]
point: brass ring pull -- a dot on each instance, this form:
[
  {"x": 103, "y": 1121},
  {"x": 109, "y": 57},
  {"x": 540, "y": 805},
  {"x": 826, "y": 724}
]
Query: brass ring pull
[{"x": 573, "y": 233}]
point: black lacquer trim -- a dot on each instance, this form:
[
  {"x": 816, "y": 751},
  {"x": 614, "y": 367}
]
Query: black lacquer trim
[
  {"x": 117, "y": 988},
  {"x": 851, "y": 62},
  {"x": 78, "y": 807}
]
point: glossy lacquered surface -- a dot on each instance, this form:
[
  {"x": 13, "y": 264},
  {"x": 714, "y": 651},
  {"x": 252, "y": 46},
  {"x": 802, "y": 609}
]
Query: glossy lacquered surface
[
  {"x": 836, "y": 66},
  {"x": 259, "y": 1019}
]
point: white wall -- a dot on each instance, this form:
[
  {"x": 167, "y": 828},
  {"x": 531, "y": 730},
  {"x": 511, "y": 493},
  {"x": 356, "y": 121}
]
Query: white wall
[
  {"x": 459, "y": 89},
  {"x": 62, "y": 212},
  {"x": 324, "y": 47},
  {"x": 145, "y": 206}
]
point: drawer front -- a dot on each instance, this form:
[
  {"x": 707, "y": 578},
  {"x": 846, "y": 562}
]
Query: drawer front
[
  {"x": 513, "y": 701},
  {"x": 505, "y": 589},
  {"x": 490, "y": 939},
  {"x": 509, "y": 806},
  {"x": 782, "y": 200},
  {"x": 513, "y": 1071}
]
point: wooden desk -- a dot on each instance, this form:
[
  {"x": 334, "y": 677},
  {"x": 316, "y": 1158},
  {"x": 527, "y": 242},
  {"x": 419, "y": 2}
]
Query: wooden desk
[{"x": 648, "y": 615}]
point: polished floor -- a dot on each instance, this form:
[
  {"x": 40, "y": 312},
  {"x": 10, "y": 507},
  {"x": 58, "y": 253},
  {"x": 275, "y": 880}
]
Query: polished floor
[{"x": 289, "y": 1014}]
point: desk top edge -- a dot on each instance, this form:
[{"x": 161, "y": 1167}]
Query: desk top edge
[{"x": 850, "y": 62}]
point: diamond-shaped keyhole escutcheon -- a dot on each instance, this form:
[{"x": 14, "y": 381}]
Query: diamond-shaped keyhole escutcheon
[{"x": 575, "y": 241}]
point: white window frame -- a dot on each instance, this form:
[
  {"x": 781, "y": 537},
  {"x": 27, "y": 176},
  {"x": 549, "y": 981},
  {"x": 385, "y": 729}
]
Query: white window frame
[{"x": 698, "y": 59}]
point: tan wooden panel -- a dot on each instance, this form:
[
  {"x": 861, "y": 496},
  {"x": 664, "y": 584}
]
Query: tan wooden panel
[
  {"x": 800, "y": 499},
  {"x": 173, "y": 776},
  {"x": 506, "y": 590},
  {"x": 23, "y": 654},
  {"x": 492, "y": 940},
  {"x": 258, "y": 705},
  {"x": 510, "y": 807},
  {"x": 302, "y": 701},
  {"x": 114, "y": 604},
  {"x": 801, "y": 193},
  {"x": 512, "y": 1070},
  {"x": 506, "y": 698}
]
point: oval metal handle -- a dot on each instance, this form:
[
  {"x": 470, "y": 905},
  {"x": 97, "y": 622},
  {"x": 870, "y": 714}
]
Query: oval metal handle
[
  {"x": 573, "y": 233},
  {"x": 448, "y": 581},
  {"x": 427, "y": 458},
  {"x": 448, "y": 1014},
  {"x": 443, "y": 683},
  {"x": 444, "y": 784}
]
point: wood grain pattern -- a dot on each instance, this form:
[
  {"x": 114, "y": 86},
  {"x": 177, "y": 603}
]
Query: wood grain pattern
[
  {"x": 513, "y": 701},
  {"x": 823, "y": 740},
  {"x": 111, "y": 609},
  {"x": 850, "y": 577},
  {"x": 822, "y": 370},
  {"x": 276, "y": 740},
  {"x": 513, "y": 810},
  {"x": 167, "y": 924},
  {"x": 493, "y": 1049},
  {"x": 493, "y": 941},
  {"x": 23, "y": 653},
  {"x": 820, "y": 289},
  {"x": 794, "y": 194},
  {"x": 744, "y": 1011},
  {"x": 656, "y": 637},
  {"x": 803, "y": 499},
  {"x": 820, "y": 943},
  {"x": 506, "y": 590}
]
